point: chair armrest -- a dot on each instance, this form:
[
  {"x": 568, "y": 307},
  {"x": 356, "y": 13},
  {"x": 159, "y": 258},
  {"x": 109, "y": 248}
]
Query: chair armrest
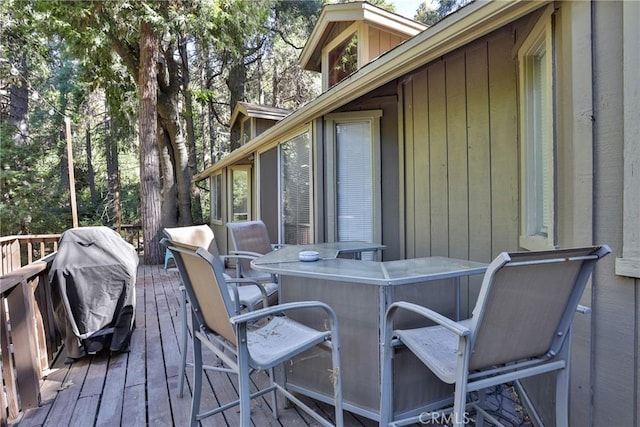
[
  {"x": 283, "y": 308},
  {"x": 235, "y": 281},
  {"x": 245, "y": 254},
  {"x": 237, "y": 256},
  {"x": 454, "y": 327}
]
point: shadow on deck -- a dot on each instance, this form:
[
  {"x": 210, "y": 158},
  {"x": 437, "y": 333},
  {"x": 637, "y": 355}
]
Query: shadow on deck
[{"x": 140, "y": 387}]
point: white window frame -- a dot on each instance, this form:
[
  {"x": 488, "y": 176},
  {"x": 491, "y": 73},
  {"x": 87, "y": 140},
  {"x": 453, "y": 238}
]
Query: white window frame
[
  {"x": 353, "y": 29},
  {"x": 306, "y": 130},
  {"x": 232, "y": 169},
  {"x": 215, "y": 198},
  {"x": 537, "y": 144},
  {"x": 373, "y": 118}
]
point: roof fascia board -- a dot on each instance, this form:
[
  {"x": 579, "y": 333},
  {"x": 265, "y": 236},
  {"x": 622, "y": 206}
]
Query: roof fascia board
[
  {"x": 240, "y": 109},
  {"x": 393, "y": 22},
  {"x": 465, "y": 25},
  {"x": 268, "y": 116}
]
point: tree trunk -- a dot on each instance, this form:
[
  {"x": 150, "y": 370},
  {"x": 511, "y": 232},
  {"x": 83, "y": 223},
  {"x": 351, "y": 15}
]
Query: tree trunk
[
  {"x": 113, "y": 175},
  {"x": 90, "y": 172},
  {"x": 236, "y": 84},
  {"x": 169, "y": 187},
  {"x": 18, "y": 115},
  {"x": 150, "y": 185},
  {"x": 196, "y": 207}
]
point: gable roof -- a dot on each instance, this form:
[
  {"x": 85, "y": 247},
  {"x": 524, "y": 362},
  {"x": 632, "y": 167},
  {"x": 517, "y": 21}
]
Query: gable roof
[
  {"x": 333, "y": 14},
  {"x": 257, "y": 111}
]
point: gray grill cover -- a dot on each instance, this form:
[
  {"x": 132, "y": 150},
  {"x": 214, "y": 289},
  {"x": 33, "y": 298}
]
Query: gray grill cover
[{"x": 93, "y": 279}]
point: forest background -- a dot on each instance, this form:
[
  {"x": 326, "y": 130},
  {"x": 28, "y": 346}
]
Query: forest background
[{"x": 148, "y": 88}]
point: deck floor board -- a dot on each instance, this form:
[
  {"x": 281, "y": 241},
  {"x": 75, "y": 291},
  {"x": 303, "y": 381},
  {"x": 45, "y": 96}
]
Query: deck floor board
[{"x": 140, "y": 387}]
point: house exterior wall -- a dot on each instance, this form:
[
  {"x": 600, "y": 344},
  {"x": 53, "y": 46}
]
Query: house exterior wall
[
  {"x": 461, "y": 173},
  {"x": 267, "y": 182},
  {"x": 262, "y": 124},
  {"x": 615, "y": 299},
  {"x": 460, "y": 143},
  {"x": 379, "y": 41}
]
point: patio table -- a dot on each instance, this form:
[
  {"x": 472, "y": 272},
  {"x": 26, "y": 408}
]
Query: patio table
[{"x": 360, "y": 292}]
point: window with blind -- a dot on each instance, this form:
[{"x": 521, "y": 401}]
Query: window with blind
[
  {"x": 537, "y": 138},
  {"x": 295, "y": 190},
  {"x": 216, "y": 197},
  {"x": 353, "y": 174}
]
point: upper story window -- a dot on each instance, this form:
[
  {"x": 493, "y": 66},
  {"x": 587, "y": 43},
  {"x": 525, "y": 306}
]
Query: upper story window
[
  {"x": 343, "y": 60},
  {"x": 245, "y": 127},
  {"x": 537, "y": 138}
]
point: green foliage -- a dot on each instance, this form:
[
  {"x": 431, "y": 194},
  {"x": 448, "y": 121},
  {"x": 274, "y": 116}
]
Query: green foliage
[
  {"x": 430, "y": 16},
  {"x": 80, "y": 61},
  {"x": 27, "y": 194}
]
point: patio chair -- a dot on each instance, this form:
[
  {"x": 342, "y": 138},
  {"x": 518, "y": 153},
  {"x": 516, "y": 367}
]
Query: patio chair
[
  {"x": 245, "y": 293},
  {"x": 243, "y": 350},
  {"x": 251, "y": 239},
  {"x": 520, "y": 327}
]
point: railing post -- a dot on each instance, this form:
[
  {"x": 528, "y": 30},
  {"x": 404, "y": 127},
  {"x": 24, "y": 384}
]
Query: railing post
[
  {"x": 22, "y": 311},
  {"x": 8, "y": 377}
]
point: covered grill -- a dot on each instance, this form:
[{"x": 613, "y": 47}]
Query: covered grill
[{"x": 92, "y": 282}]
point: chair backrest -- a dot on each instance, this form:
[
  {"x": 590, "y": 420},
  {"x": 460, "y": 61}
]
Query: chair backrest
[
  {"x": 527, "y": 302},
  {"x": 195, "y": 235},
  {"x": 203, "y": 278},
  {"x": 249, "y": 236}
]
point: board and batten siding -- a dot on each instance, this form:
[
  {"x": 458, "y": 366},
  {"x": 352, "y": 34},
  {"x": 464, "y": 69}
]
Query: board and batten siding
[
  {"x": 615, "y": 299},
  {"x": 460, "y": 143}
]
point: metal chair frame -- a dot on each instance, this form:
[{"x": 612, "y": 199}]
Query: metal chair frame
[
  {"x": 503, "y": 341},
  {"x": 242, "y": 350}
]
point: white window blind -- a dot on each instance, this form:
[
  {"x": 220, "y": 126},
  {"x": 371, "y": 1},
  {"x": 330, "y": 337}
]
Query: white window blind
[
  {"x": 295, "y": 166},
  {"x": 354, "y": 187}
]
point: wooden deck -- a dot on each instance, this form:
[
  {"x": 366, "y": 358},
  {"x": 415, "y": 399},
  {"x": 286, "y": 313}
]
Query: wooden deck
[{"x": 140, "y": 388}]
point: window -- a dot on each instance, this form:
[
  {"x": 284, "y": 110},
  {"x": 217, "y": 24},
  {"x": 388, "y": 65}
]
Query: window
[
  {"x": 353, "y": 173},
  {"x": 216, "y": 198},
  {"x": 295, "y": 190},
  {"x": 537, "y": 138},
  {"x": 341, "y": 56},
  {"x": 343, "y": 60},
  {"x": 240, "y": 193},
  {"x": 245, "y": 131}
]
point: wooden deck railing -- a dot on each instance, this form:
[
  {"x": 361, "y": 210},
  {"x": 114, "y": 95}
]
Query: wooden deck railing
[{"x": 29, "y": 339}]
